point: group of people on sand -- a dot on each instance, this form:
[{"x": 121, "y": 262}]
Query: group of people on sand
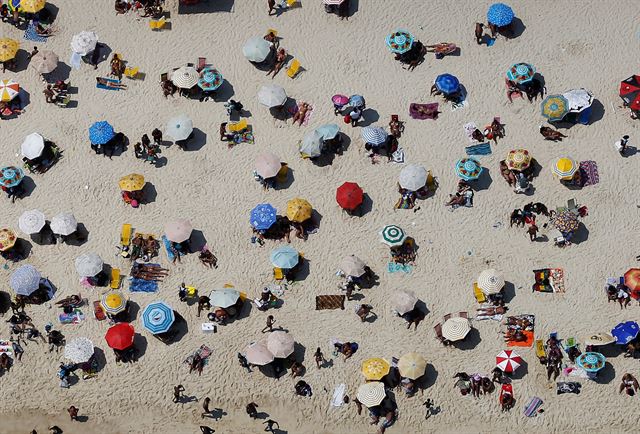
[
  {"x": 532, "y": 88},
  {"x": 462, "y": 197},
  {"x": 149, "y": 151},
  {"x": 527, "y": 217},
  {"x": 520, "y": 180},
  {"x": 149, "y": 8}
]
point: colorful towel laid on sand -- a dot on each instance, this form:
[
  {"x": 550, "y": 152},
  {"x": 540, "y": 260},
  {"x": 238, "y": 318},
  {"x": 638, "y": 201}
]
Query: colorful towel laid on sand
[
  {"x": 568, "y": 387},
  {"x": 337, "y": 400},
  {"x": 423, "y": 111},
  {"x": 531, "y": 409},
  {"x": 469, "y": 128},
  {"x": 31, "y": 35},
  {"x": 480, "y": 149},
  {"x": 6, "y": 348},
  {"x": 141, "y": 285},
  {"x": 330, "y": 302},
  {"x": 167, "y": 248},
  {"x": 523, "y": 323},
  {"x": 204, "y": 352},
  {"x": 574, "y": 371},
  {"x": 589, "y": 173},
  {"x": 549, "y": 280},
  {"x": 74, "y": 317},
  {"x": 394, "y": 267}
]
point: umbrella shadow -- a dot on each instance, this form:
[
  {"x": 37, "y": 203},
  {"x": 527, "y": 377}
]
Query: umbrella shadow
[
  {"x": 303, "y": 270},
  {"x": 25, "y": 98},
  {"x": 197, "y": 241},
  {"x": 79, "y": 237},
  {"x": 299, "y": 352},
  {"x": 49, "y": 14},
  {"x": 28, "y": 186},
  {"x": 161, "y": 162},
  {"x": 484, "y": 181},
  {"x": 5, "y": 302},
  {"x": 470, "y": 342},
  {"x": 354, "y": 5},
  {"x": 245, "y": 311},
  {"x": 369, "y": 116},
  {"x": 606, "y": 374},
  {"x": 149, "y": 193},
  {"x": 630, "y": 152},
  {"x": 325, "y": 159},
  {"x": 597, "y": 111},
  {"x": 133, "y": 309},
  {"x": 196, "y": 140},
  {"x": 365, "y": 207},
  {"x": 62, "y": 72},
  {"x": 581, "y": 234},
  {"x": 282, "y": 113},
  {"x": 100, "y": 357},
  {"x": 140, "y": 343},
  {"x": 521, "y": 372},
  {"x": 509, "y": 291},
  {"x": 207, "y": 7},
  {"x": 22, "y": 61},
  {"x": 290, "y": 178},
  {"x": 224, "y": 93},
  {"x": 429, "y": 378},
  {"x": 514, "y": 30}
]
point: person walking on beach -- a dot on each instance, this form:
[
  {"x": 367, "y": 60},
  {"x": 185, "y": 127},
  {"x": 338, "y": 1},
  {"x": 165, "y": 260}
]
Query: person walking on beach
[
  {"x": 252, "y": 410},
  {"x": 479, "y": 33},
  {"x": 319, "y": 358},
  {"x": 621, "y": 145},
  {"x": 55, "y": 429},
  {"x": 270, "y": 322},
  {"x": 533, "y": 232},
  {"x": 205, "y": 407},
  {"x": 270, "y": 423},
  {"x": 73, "y": 413},
  {"x": 177, "y": 393}
]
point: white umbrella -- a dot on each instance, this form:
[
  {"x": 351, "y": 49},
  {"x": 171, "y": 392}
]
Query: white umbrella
[
  {"x": 64, "y": 224},
  {"x": 32, "y": 146},
  {"x": 404, "y": 301},
  {"x": 272, "y": 95},
  {"x": 185, "y": 77},
  {"x": 256, "y": 49},
  {"x": 268, "y": 165},
  {"x": 44, "y": 61},
  {"x": 31, "y": 222},
  {"x": 84, "y": 42},
  {"x": 456, "y": 328},
  {"x": 371, "y": 394},
  {"x": 258, "y": 354},
  {"x": 413, "y": 177},
  {"x": 179, "y": 127},
  {"x": 352, "y": 266},
  {"x": 280, "y": 344},
  {"x": 79, "y": 350},
  {"x": 89, "y": 264},
  {"x": 312, "y": 144},
  {"x": 579, "y": 99},
  {"x": 490, "y": 281}
]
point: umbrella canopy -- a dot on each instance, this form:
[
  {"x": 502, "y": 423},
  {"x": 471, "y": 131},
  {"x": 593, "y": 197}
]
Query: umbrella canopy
[
  {"x": 456, "y": 328},
  {"x": 508, "y": 361},
  {"x": 224, "y": 297},
  {"x": 500, "y": 14},
  {"x": 285, "y": 257},
  {"x": 9, "y": 89},
  {"x": 157, "y": 317},
  {"x": 280, "y": 344},
  {"x": 521, "y": 72},
  {"x": 101, "y": 132},
  {"x": 376, "y": 136},
  {"x": 11, "y": 176},
  {"x": 131, "y": 182},
  {"x": 84, "y": 42},
  {"x": 113, "y": 302},
  {"x": 340, "y": 100},
  {"x": 356, "y": 101},
  {"x": 299, "y": 210},
  {"x": 178, "y": 231},
  {"x": 599, "y": 339},
  {"x": 578, "y": 99},
  {"x": 566, "y": 221},
  {"x": 263, "y": 216},
  {"x": 555, "y": 107},
  {"x": 210, "y": 79},
  {"x": 272, "y": 95},
  {"x": 32, "y": 221},
  {"x": 32, "y": 146},
  {"x": 25, "y": 280},
  {"x": 352, "y": 266},
  {"x": 412, "y": 366},
  {"x": 518, "y": 159},
  {"x": 625, "y": 332},
  {"x": 44, "y": 61},
  {"x": 79, "y": 350},
  {"x": 89, "y": 264},
  {"x": 179, "y": 127},
  {"x": 8, "y": 49},
  {"x": 258, "y": 354},
  {"x": 375, "y": 368},
  {"x": 392, "y": 235},
  {"x": 328, "y": 131},
  {"x": 185, "y": 77},
  {"x": 404, "y": 301},
  {"x": 7, "y": 239},
  {"x": 630, "y": 92},
  {"x": 490, "y": 281},
  {"x": 399, "y": 41},
  {"x": 349, "y": 195},
  {"x": 371, "y": 394},
  {"x": 256, "y": 49},
  {"x": 591, "y": 362},
  {"x": 565, "y": 168},
  {"x": 413, "y": 177},
  {"x": 632, "y": 279},
  {"x": 447, "y": 84},
  {"x": 64, "y": 224},
  {"x": 333, "y": 2},
  {"x": 268, "y": 165},
  {"x": 120, "y": 336},
  {"x": 468, "y": 169},
  {"x": 312, "y": 144},
  {"x": 32, "y": 6}
]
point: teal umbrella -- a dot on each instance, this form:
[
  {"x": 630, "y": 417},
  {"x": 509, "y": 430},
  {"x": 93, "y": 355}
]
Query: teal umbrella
[
  {"x": 328, "y": 131},
  {"x": 285, "y": 257}
]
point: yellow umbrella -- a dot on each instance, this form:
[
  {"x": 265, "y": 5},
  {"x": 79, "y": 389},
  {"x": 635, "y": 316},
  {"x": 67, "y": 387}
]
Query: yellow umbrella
[
  {"x": 565, "y": 168},
  {"x": 113, "y": 302},
  {"x": 132, "y": 182},
  {"x": 8, "y": 49},
  {"x": 299, "y": 210},
  {"x": 32, "y": 6},
  {"x": 7, "y": 239},
  {"x": 412, "y": 365},
  {"x": 375, "y": 368}
]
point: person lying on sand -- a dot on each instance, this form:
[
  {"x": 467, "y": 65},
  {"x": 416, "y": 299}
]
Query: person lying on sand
[
  {"x": 104, "y": 82},
  {"x": 303, "y": 108},
  {"x": 551, "y": 134}
]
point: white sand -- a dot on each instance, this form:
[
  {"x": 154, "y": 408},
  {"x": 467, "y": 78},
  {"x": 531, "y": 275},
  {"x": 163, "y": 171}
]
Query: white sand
[{"x": 588, "y": 44}]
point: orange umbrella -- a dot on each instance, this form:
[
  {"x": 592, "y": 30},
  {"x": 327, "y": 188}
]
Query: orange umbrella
[{"x": 632, "y": 279}]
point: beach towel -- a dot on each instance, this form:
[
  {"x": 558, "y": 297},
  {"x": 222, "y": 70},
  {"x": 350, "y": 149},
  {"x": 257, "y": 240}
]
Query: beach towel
[
  {"x": 394, "y": 267},
  {"x": 431, "y": 109},
  {"x": 531, "y": 409},
  {"x": 30, "y": 34},
  {"x": 543, "y": 282},
  {"x": 469, "y": 128},
  {"x": 568, "y": 387},
  {"x": 337, "y": 400},
  {"x": 167, "y": 248},
  {"x": 557, "y": 279},
  {"x": 398, "y": 156},
  {"x": 515, "y": 323},
  {"x": 574, "y": 371},
  {"x": 330, "y": 302},
  {"x": 204, "y": 352},
  {"x": 480, "y": 149},
  {"x": 74, "y": 317},
  {"x": 98, "y": 311},
  {"x": 589, "y": 173},
  {"x": 6, "y": 348},
  {"x": 141, "y": 285}
]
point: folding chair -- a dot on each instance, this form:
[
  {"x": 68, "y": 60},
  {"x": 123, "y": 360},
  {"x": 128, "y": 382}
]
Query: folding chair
[
  {"x": 463, "y": 315},
  {"x": 164, "y": 77},
  {"x": 572, "y": 205},
  {"x": 202, "y": 62},
  {"x": 294, "y": 68},
  {"x": 438, "y": 329},
  {"x": 446, "y": 317},
  {"x": 125, "y": 235},
  {"x": 278, "y": 274},
  {"x": 477, "y": 292},
  {"x": 115, "y": 278}
]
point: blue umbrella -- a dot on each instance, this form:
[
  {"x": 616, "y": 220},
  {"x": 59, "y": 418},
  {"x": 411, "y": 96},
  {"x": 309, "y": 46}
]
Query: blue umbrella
[
  {"x": 263, "y": 216},
  {"x": 399, "y": 41},
  {"x": 157, "y": 317},
  {"x": 625, "y": 332},
  {"x": 447, "y": 84},
  {"x": 500, "y": 14},
  {"x": 468, "y": 169},
  {"x": 11, "y": 176},
  {"x": 591, "y": 362},
  {"x": 328, "y": 131},
  {"x": 25, "y": 280},
  {"x": 101, "y": 132},
  {"x": 285, "y": 257},
  {"x": 356, "y": 100}
]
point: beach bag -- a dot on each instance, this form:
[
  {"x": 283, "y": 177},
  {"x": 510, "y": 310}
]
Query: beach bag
[{"x": 347, "y": 119}]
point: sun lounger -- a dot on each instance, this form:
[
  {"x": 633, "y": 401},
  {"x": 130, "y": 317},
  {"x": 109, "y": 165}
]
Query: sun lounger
[
  {"x": 202, "y": 62},
  {"x": 238, "y": 127},
  {"x": 157, "y": 25},
  {"x": 540, "y": 352},
  {"x": 130, "y": 72},
  {"x": 115, "y": 278},
  {"x": 477, "y": 292},
  {"x": 278, "y": 274},
  {"x": 294, "y": 68},
  {"x": 98, "y": 311},
  {"x": 125, "y": 235}
]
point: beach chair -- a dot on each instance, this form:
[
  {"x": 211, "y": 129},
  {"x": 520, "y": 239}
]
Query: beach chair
[
  {"x": 115, "y": 278},
  {"x": 540, "y": 352},
  {"x": 294, "y": 68},
  {"x": 438, "y": 329},
  {"x": 125, "y": 235},
  {"x": 202, "y": 62},
  {"x": 157, "y": 24},
  {"x": 446, "y": 317},
  {"x": 432, "y": 183},
  {"x": 238, "y": 127},
  {"x": 282, "y": 174},
  {"x": 131, "y": 73},
  {"x": 98, "y": 311},
  {"x": 572, "y": 206},
  {"x": 63, "y": 101},
  {"x": 477, "y": 292},
  {"x": 278, "y": 274},
  {"x": 463, "y": 315}
]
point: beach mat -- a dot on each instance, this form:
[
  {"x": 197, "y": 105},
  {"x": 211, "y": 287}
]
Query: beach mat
[
  {"x": 557, "y": 280},
  {"x": 74, "y": 317},
  {"x": 330, "y": 302},
  {"x": 337, "y": 400},
  {"x": 204, "y": 352},
  {"x": 30, "y": 34},
  {"x": 167, "y": 248},
  {"x": 98, "y": 311},
  {"x": 394, "y": 267},
  {"x": 141, "y": 285},
  {"x": 480, "y": 149},
  {"x": 589, "y": 173},
  {"x": 526, "y": 343},
  {"x": 531, "y": 409},
  {"x": 568, "y": 387},
  {"x": 415, "y": 113}
]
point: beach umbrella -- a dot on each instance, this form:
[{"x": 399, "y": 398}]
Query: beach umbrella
[
  {"x": 179, "y": 127},
  {"x": 299, "y": 210},
  {"x": 84, "y": 42},
  {"x": 258, "y": 354},
  {"x": 518, "y": 159},
  {"x": 490, "y": 281},
  {"x": 632, "y": 279},
  {"x": 7, "y": 239},
  {"x": 578, "y": 99},
  {"x": 224, "y": 297},
  {"x": 11, "y": 176},
  {"x": 32, "y": 6},
  {"x": 447, "y": 84},
  {"x": 44, "y": 61},
  {"x": 349, "y": 195},
  {"x": 131, "y": 182},
  {"x": 272, "y": 95},
  {"x": 371, "y": 394},
  {"x": 185, "y": 77},
  {"x": 113, "y": 302},
  {"x": 456, "y": 328},
  {"x": 178, "y": 231},
  {"x": 392, "y": 235},
  {"x": 263, "y": 216},
  {"x": 311, "y": 145},
  {"x": 89, "y": 264},
  {"x": 340, "y": 100},
  {"x": 374, "y": 135},
  {"x": 328, "y": 131},
  {"x": 157, "y": 317},
  {"x": 25, "y": 280},
  {"x": 352, "y": 266},
  {"x": 399, "y": 41},
  {"x": 508, "y": 361},
  {"x": 625, "y": 332},
  {"x": 521, "y": 73},
  {"x": 591, "y": 362},
  {"x": 32, "y": 146},
  {"x": 555, "y": 107},
  {"x": 599, "y": 339},
  {"x": 500, "y": 14},
  {"x": 280, "y": 344},
  {"x": 210, "y": 79},
  {"x": 565, "y": 168},
  {"x": 630, "y": 92},
  {"x": 8, "y": 49},
  {"x": 566, "y": 221},
  {"x": 468, "y": 169},
  {"x": 79, "y": 350},
  {"x": 64, "y": 224},
  {"x": 412, "y": 366},
  {"x": 285, "y": 257},
  {"x": 403, "y": 301},
  {"x": 120, "y": 336},
  {"x": 333, "y": 2},
  {"x": 356, "y": 101},
  {"x": 375, "y": 368},
  {"x": 268, "y": 165},
  {"x": 9, "y": 89},
  {"x": 101, "y": 132},
  {"x": 31, "y": 222},
  {"x": 413, "y": 177},
  {"x": 256, "y": 49}
]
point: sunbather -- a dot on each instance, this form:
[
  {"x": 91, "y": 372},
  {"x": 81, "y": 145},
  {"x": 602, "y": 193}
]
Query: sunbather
[
  {"x": 208, "y": 258},
  {"x": 629, "y": 384},
  {"x": 280, "y": 59},
  {"x": 551, "y": 134},
  {"x": 303, "y": 108},
  {"x": 110, "y": 84},
  {"x": 512, "y": 89},
  {"x": 441, "y": 48}
]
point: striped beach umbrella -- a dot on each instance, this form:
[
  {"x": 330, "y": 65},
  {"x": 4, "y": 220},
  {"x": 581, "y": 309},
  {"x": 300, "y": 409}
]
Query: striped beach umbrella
[
  {"x": 554, "y": 107},
  {"x": 392, "y": 235},
  {"x": 399, "y": 41},
  {"x": 9, "y": 89},
  {"x": 518, "y": 159},
  {"x": 374, "y": 135},
  {"x": 371, "y": 394},
  {"x": 7, "y": 239},
  {"x": 333, "y": 2},
  {"x": 158, "y": 317},
  {"x": 375, "y": 368},
  {"x": 412, "y": 365},
  {"x": 11, "y": 176},
  {"x": 490, "y": 281},
  {"x": 8, "y": 49},
  {"x": 565, "y": 168},
  {"x": 31, "y": 221},
  {"x": 508, "y": 361},
  {"x": 521, "y": 72},
  {"x": 113, "y": 302},
  {"x": 25, "y": 280},
  {"x": 456, "y": 328},
  {"x": 468, "y": 169},
  {"x": 210, "y": 79},
  {"x": 185, "y": 77}
]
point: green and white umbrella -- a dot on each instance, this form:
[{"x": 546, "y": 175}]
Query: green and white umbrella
[{"x": 392, "y": 235}]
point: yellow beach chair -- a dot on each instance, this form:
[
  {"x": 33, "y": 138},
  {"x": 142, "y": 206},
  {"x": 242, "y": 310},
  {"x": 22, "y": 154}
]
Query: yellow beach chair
[
  {"x": 115, "y": 278},
  {"x": 277, "y": 273},
  {"x": 282, "y": 174},
  {"x": 477, "y": 292},
  {"x": 125, "y": 235},
  {"x": 131, "y": 72},
  {"x": 238, "y": 127},
  {"x": 294, "y": 68},
  {"x": 157, "y": 24},
  {"x": 292, "y": 3},
  {"x": 540, "y": 352},
  {"x": 274, "y": 31}
]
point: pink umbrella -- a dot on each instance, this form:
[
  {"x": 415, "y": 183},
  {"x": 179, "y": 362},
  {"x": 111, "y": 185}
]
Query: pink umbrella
[
  {"x": 178, "y": 231},
  {"x": 258, "y": 354},
  {"x": 340, "y": 100},
  {"x": 508, "y": 361},
  {"x": 268, "y": 165}
]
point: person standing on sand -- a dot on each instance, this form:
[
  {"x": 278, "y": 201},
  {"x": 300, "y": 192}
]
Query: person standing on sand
[
  {"x": 205, "y": 407},
  {"x": 73, "y": 413},
  {"x": 270, "y": 423},
  {"x": 243, "y": 362},
  {"x": 270, "y": 322},
  {"x": 533, "y": 232},
  {"x": 55, "y": 429},
  {"x": 177, "y": 391},
  {"x": 319, "y": 358},
  {"x": 252, "y": 410},
  {"x": 206, "y": 430}
]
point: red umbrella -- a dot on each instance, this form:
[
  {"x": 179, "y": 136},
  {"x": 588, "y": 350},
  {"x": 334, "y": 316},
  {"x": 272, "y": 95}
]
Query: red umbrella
[
  {"x": 632, "y": 281},
  {"x": 508, "y": 361},
  {"x": 120, "y": 336},
  {"x": 630, "y": 91},
  {"x": 349, "y": 195}
]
